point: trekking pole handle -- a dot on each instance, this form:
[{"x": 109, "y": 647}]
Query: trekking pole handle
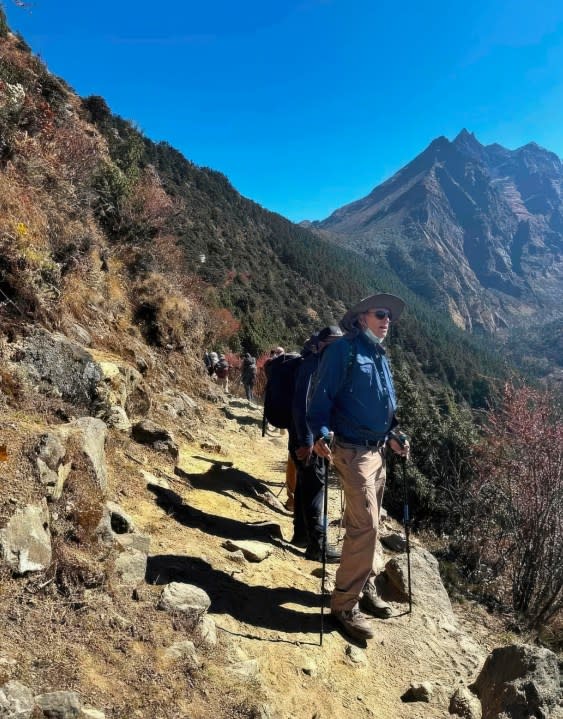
[{"x": 402, "y": 440}]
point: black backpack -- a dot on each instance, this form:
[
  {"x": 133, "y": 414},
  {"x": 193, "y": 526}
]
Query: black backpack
[{"x": 281, "y": 373}]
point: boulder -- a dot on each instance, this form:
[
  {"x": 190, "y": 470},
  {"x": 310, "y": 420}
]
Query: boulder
[
  {"x": 88, "y": 436},
  {"x": 16, "y": 701},
  {"x": 60, "y": 705},
  {"x": 147, "y": 432},
  {"x": 25, "y": 542},
  {"x": 53, "y": 472},
  {"x": 185, "y": 599},
  {"x": 61, "y": 366},
  {"x": 117, "y": 418},
  {"x": 418, "y": 692},
  {"x": 465, "y": 704},
  {"x": 121, "y": 392},
  {"x": 178, "y": 404},
  {"x": 131, "y": 567},
  {"x": 185, "y": 651},
  {"x": 517, "y": 682},
  {"x": 205, "y": 632},
  {"x": 428, "y": 592},
  {"x": 253, "y": 551},
  {"x": 395, "y": 542}
]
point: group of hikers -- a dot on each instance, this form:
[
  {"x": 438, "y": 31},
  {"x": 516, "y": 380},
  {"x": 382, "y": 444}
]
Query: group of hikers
[
  {"x": 218, "y": 368},
  {"x": 343, "y": 412}
]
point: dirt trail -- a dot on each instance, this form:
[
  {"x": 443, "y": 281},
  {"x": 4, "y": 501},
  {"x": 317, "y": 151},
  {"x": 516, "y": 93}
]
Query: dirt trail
[{"x": 270, "y": 611}]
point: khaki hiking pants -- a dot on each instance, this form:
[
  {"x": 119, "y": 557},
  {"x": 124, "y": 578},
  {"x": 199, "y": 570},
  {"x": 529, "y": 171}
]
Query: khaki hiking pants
[{"x": 362, "y": 475}]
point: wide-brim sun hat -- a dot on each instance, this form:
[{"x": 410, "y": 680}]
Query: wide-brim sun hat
[{"x": 390, "y": 302}]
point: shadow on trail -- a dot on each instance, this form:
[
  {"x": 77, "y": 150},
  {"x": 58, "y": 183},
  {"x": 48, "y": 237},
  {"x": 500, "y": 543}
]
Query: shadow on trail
[
  {"x": 224, "y": 527},
  {"x": 258, "y": 606},
  {"x": 229, "y": 479},
  {"x": 243, "y": 418}
]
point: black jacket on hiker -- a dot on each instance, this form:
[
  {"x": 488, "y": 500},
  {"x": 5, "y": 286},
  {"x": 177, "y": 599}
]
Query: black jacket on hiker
[{"x": 248, "y": 375}]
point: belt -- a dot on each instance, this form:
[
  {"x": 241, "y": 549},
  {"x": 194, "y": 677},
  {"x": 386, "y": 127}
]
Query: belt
[{"x": 372, "y": 443}]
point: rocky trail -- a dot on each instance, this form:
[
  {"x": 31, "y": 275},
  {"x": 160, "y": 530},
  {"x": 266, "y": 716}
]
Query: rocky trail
[{"x": 206, "y": 610}]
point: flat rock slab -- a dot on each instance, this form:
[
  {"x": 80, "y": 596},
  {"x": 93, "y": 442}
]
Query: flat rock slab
[
  {"x": 245, "y": 670},
  {"x": 16, "y": 700},
  {"x": 186, "y": 599},
  {"x": 253, "y": 551},
  {"x": 25, "y": 542}
]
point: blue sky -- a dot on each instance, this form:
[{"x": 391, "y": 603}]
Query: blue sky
[{"x": 306, "y": 105}]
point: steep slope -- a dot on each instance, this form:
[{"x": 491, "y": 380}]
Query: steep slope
[{"x": 476, "y": 228}]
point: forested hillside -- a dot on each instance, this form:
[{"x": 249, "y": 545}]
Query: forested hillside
[{"x": 280, "y": 280}]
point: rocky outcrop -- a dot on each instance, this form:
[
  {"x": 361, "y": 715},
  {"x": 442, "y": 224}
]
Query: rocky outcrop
[
  {"x": 61, "y": 367},
  {"x": 60, "y": 705},
  {"x": 16, "y": 701},
  {"x": 105, "y": 386},
  {"x": 80, "y": 443},
  {"x": 159, "y": 438},
  {"x": 518, "y": 682},
  {"x": 428, "y": 591},
  {"x": 25, "y": 542}
]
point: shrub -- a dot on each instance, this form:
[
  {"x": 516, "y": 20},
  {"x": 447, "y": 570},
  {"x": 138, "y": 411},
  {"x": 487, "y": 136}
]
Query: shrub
[
  {"x": 165, "y": 317},
  {"x": 518, "y": 495}
]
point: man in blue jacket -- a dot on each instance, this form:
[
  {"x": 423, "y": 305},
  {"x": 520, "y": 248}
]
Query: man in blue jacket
[
  {"x": 308, "y": 513},
  {"x": 352, "y": 410}
]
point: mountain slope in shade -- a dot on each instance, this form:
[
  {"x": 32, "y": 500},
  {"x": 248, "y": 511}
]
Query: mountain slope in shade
[{"x": 478, "y": 229}]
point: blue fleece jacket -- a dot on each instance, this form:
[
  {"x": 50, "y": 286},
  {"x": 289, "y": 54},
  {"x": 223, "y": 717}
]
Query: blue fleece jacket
[{"x": 354, "y": 394}]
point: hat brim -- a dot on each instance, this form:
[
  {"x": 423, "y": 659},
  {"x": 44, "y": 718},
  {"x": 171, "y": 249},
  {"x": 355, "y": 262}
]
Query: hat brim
[{"x": 391, "y": 302}]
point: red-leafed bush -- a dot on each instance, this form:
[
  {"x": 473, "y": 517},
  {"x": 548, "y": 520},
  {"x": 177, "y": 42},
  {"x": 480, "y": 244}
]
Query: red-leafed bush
[
  {"x": 519, "y": 500},
  {"x": 224, "y": 325}
]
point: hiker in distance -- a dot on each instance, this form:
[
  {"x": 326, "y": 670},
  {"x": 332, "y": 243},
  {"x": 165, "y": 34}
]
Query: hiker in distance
[
  {"x": 351, "y": 415},
  {"x": 308, "y": 523},
  {"x": 248, "y": 375}
]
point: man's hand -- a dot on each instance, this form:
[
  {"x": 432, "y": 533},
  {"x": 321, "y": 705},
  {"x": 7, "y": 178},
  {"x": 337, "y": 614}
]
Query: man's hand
[
  {"x": 400, "y": 445},
  {"x": 321, "y": 447},
  {"x": 304, "y": 453}
]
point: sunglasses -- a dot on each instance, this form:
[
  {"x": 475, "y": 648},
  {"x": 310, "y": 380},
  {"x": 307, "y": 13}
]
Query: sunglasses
[{"x": 380, "y": 314}]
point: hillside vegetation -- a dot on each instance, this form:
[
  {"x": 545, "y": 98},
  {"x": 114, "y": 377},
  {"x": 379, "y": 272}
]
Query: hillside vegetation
[{"x": 125, "y": 246}]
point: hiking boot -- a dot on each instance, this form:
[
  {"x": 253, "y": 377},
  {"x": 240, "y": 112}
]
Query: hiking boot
[
  {"x": 298, "y": 541},
  {"x": 315, "y": 554},
  {"x": 354, "y": 623},
  {"x": 372, "y": 603}
]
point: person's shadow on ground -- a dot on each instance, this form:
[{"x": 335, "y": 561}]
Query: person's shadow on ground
[
  {"x": 257, "y": 606},
  {"x": 225, "y": 527}
]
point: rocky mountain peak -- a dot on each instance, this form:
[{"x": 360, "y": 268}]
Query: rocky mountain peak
[
  {"x": 470, "y": 226},
  {"x": 466, "y": 142}
]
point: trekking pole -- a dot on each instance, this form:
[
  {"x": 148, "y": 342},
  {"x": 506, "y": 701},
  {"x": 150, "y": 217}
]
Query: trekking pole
[
  {"x": 325, "y": 532},
  {"x": 406, "y": 521}
]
